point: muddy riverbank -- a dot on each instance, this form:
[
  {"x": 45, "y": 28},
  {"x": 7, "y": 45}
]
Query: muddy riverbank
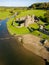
[
  {"x": 12, "y": 52},
  {"x": 32, "y": 43}
]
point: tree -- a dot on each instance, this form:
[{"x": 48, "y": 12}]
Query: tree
[
  {"x": 34, "y": 6},
  {"x": 47, "y": 16},
  {"x": 44, "y": 5}
]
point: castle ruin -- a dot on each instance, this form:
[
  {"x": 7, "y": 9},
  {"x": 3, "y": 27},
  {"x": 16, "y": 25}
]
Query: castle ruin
[{"x": 26, "y": 21}]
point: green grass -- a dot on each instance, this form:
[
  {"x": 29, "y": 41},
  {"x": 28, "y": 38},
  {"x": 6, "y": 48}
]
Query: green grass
[
  {"x": 41, "y": 22},
  {"x": 37, "y": 33},
  {"x": 31, "y": 12},
  {"x": 15, "y": 24},
  {"x": 4, "y": 14},
  {"x": 15, "y": 30},
  {"x": 34, "y": 25},
  {"x": 47, "y": 27},
  {"x": 23, "y": 30}
]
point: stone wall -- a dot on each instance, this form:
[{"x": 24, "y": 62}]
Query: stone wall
[{"x": 29, "y": 20}]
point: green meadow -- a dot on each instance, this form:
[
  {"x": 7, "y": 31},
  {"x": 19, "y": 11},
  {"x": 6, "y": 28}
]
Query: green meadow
[
  {"x": 32, "y": 12},
  {"x": 4, "y": 15},
  {"x": 23, "y": 30}
]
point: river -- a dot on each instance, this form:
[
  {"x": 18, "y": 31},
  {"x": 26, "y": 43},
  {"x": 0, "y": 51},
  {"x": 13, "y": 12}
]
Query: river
[{"x": 12, "y": 52}]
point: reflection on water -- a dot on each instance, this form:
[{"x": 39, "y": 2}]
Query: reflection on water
[
  {"x": 3, "y": 29},
  {"x": 13, "y": 53}
]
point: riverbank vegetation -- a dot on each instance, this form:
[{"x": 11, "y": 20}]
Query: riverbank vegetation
[
  {"x": 7, "y": 12},
  {"x": 43, "y": 6},
  {"x": 41, "y": 13},
  {"x": 23, "y": 30}
]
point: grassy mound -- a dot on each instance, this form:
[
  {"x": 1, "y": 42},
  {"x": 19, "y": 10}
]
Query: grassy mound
[
  {"x": 23, "y": 30},
  {"x": 14, "y": 30}
]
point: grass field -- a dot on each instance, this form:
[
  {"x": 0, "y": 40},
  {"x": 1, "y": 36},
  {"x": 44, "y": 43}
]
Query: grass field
[
  {"x": 23, "y": 30},
  {"x": 24, "y": 13},
  {"x": 5, "y": 12},
  {"x": 32, "y": 12},
  {"x": 15, "y": 30},
  {"x": 4, "y": 15},
  {"x": 47, "y": 27}
]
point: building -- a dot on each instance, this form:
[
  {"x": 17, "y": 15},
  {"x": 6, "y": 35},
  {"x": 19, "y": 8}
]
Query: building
[{"x": 26, "y": 21}]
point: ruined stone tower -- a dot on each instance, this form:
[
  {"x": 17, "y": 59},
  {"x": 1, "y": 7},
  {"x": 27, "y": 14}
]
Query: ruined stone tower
[{"x": 29, "y": 20}]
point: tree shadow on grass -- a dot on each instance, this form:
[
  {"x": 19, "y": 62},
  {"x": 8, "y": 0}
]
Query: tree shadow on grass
[
  {"x": 31, "y": 29},
  {"x": 20, "y": 22}
]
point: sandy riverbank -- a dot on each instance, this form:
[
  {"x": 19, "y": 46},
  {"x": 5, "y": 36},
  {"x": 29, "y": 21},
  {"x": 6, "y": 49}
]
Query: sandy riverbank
[{"x": 33, "y": 44}]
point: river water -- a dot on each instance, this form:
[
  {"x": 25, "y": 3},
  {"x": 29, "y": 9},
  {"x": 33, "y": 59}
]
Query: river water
[{"x": 12, "y": 52}]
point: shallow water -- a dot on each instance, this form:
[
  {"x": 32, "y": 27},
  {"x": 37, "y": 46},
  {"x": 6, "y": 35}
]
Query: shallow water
[{"x": 12, "y": 52}]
